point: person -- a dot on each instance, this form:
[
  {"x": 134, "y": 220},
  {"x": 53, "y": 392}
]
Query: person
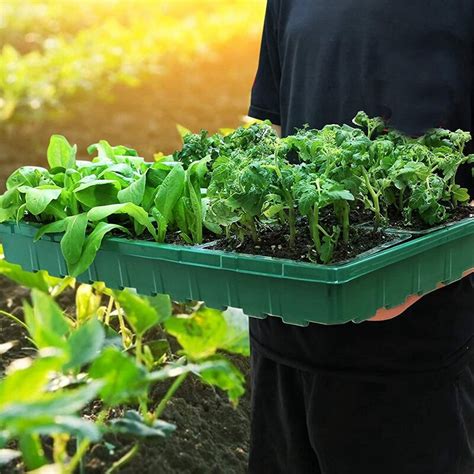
[{"x": 396, "y": 396}]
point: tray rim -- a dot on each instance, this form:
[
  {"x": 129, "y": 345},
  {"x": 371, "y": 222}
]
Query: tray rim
[{"x": 271, "y": 267}]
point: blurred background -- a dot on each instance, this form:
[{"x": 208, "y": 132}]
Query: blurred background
[{"x": 126, "y": 71}]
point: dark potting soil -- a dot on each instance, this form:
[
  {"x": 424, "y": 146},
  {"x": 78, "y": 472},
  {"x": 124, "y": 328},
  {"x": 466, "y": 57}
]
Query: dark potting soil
[
  {"x": 274, "y": 242},
  {"x": 455, "y": 215},
  {"x": 211, "y": 437}
]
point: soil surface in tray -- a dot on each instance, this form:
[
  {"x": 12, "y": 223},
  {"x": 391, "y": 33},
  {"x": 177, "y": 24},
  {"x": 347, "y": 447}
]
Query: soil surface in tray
[
  {"x": 273, "y": 242},
  {"x": 210, "y": 434},
  {"x": 456, "y": 215}
]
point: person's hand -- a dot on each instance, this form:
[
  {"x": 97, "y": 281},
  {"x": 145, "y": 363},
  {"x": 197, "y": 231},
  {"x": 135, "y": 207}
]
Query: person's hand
[{"x": 384, "y": 314}]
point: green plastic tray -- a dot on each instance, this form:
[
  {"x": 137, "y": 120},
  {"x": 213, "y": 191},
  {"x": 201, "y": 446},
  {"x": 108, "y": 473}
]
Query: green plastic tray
[{"x": 297, "y": 292}]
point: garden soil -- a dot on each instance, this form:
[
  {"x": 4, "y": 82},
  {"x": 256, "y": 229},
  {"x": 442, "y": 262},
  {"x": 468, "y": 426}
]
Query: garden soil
[{"x": 211, "y": 437}]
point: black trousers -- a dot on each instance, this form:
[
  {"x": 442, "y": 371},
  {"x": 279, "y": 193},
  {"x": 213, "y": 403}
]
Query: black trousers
[{"x": 308, "y": 423}]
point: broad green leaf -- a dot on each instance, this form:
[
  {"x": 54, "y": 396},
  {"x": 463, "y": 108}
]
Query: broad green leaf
[
  {"x": 28, "y": 176},
  {"x": 39, "y": 280},
  {"x": 228, "y": 378},
  {"x": 74, "y": 238},
  {"x": 69, "y": 424},
  {"x": 133, "y": 211},
  {"x": 52, "y": 228},
  {"x": 46, "y": 323},
  {"x": 133, "y": 424},
  {"x": 22, "y": 416},
  {"x": 170, "y": 191},
  {"x": 103, "y": 149},
  {"x": 61, "y": 153},
  {"x": 92, "y": 246},
  {"x": 236, "y": 338},
  {"x": 38, "y": 199},
  {"x": 85, "y": 344},
  {"x": 133, "y": 193},
  {"x": 99, "y": 192},
  {"x": 140, "y": 314},
  {"x": 27, "y": 381},
  {"x": 175, "y": 370},
  {"x": 162, "y": 305},
  {"x": 200, "y": 334},
  {"x": 124, "y": 380}
]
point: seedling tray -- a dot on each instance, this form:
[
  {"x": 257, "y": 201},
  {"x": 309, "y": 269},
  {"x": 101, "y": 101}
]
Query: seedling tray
[{"x": 298, "y": 293}]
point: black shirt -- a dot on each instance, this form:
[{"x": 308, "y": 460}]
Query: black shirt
[{"x": 411, "y": 62}]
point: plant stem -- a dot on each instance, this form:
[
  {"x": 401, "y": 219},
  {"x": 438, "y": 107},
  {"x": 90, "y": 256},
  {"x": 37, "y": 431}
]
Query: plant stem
[
  {"x": 315, "y": 229},
  {"x": 14, "y": 318},
  {"x": 84, "y": 445},
  {"x": 169, "y": 394},
  {"x": 375, "y": 197},
  {"x": 400, "y": 199},
  {"x": 292, "y": 225},
  {"x": 126, "y": 458},
  {"x": 345, "y": 222},
  {"x": 109, "y": 311},
  {"x": 253, "y": 229}
]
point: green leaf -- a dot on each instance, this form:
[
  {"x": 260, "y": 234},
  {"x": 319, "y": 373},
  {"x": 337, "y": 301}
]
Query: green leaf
[
  {"x": 28, "y": 176},
  {"x": 22, "y": 416},
  {"x": 133, "y": 424},
  {"x": 460, "y": 194},
  {"x": 85, "y": 344},
  {"x": 27, "y": 381},
  {"x": 162, "y": 305},
  {"x": 52, "y": 228},
  {"x": 140, "y": 314},
  {"x": 98, "y": 192},
  {"x": 124, "y": 380},
  {"x": 38, "y": 199},
  {"x": 103, "y": 149},
  {"x": 61, "y": 153},
  {"x": 40, "y": 280},
  {"x": 133, "y": 193},
  {"x": 236, "y": 339},
  {"x": 170, "y": 191},
  {"x": 228, "y": 378},
  {"x": 133, "y": 211},
  {"x": 74, "y": 238},
  {"x": 200, "y": 334},
  {"x": 91, "y": 247},
  {"x": 46, "y": 323},
  {"x": 71, "y": 425},
  {"x": 162, "y": 224}
]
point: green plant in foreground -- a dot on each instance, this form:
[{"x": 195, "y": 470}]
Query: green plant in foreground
[{"x": 102, "y": 352}]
